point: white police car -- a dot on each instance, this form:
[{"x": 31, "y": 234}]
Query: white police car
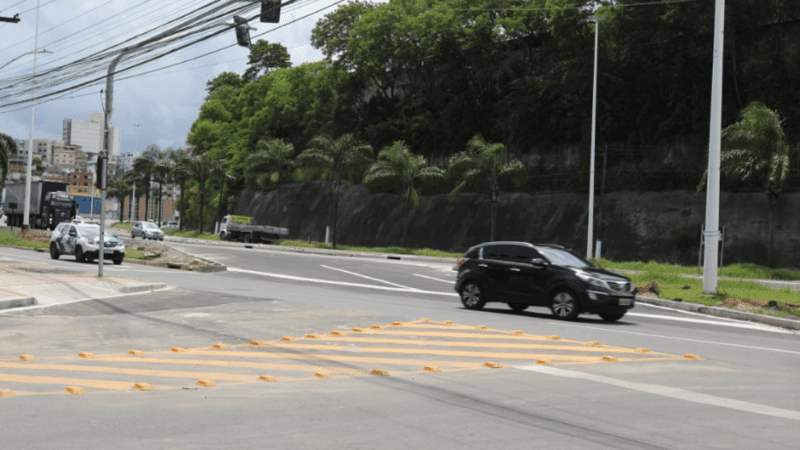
[{"x": 83, "y": 241}]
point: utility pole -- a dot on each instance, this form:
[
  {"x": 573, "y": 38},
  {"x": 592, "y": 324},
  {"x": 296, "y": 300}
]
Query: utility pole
[
  {"x": 712, "y": 194},
  {"x": 27, "y": 209}
]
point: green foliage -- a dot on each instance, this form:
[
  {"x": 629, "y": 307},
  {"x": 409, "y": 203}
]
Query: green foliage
[
  {"x": 481, "y": 167},
  {"x": 397, "y": 166},
  {"x": 8, "y": 148},
  {"x": 264, "y": 58}
]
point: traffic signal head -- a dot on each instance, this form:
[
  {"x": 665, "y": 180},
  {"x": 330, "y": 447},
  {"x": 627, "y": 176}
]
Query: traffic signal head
[
  {"x": 242, "y": 31},
  {"x": 102, "y": 172},
  {"x": 270, "y": 11}
]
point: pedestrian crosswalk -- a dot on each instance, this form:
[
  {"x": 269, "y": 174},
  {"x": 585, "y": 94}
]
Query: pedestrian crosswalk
[{"x": 398, "y": 349}]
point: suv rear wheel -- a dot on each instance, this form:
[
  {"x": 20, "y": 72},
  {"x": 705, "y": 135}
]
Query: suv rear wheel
[
  {"x": 564, "y": 305},
  {"x": 472, "y": 295},
  {"x": 54, "y": 251},
  {"x": 79, "y": 255}
]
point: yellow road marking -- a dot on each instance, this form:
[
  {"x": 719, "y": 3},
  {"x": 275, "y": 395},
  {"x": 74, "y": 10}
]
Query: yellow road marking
[
  {"x": 99, "y": 384},
  {"x": 126, "y": 371},
  {"x": 225, "y": 363}
]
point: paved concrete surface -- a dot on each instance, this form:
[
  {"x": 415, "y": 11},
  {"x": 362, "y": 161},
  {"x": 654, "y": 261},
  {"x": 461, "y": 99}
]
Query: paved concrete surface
[{"x": 31, "y": 284}]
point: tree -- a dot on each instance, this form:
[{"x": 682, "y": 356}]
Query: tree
[
  {"x": 119, "y": 188},
  {"x": 754, "y": 150},
  {"x": 225, "y": 79},
  {"x": 180, "y": 171},
  {"x": 336, "y": 156},
  {"x": 398, "y": 166},
  {"x": 161, "y": 165},
  {"x": 269, "y": 167},
  {"x": 143, "y": 167},
  {"x": 264, "y": 58},
  {"x": 481, "y": 165},
  {"x": 8, "y": 148},
  {"x": 137, "y": 185},
  {"x": 204, "y": 167}
]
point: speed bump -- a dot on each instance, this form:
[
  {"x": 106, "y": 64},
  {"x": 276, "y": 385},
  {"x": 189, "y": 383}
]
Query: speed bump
[
  {"x": 544, "y": 362},
  {"x": 220, "y": 346},
  {"x": 481, "y": 327},
  {"x": 553, "y": 338},
  {"x": 492, "y": 365},
  {"x": 75, "y": 390},
  {"x": 695, "y": 357},
  {"x": 424, "y": 319},
  {"x": 258, "y": 343},
  {"x": 642, "y": 350},
  {"x": 609, "y": 359},
  {"x": 6, "y": 393},
  {"x": 322, "y": 375},
  {"x": 26, "y": 357},
  {"x": 206, "y": 383},
  {"x": 593, "y": 343},
  {"x": 86, "y": 355},
  {"x": 359, "y": 330},
  {"x": 338, "y": 333},
  {"x": 397, "y": 324},
  {"x": 288, "y": 339},
  {"x": 267, "y": 378},
  {"x": 431, "y": 369},
  {"x": 381, "y": 373},
  {"x": 377, "y": 327},
  {"x": 178, "y": 350},
  {"x": 447, "y": 322},
  {"x": 515, "y": 332},
  {"x": 313, "y": 336},
  {"x": 136, "y": 352},
  {"x": 143, "y": 386}
]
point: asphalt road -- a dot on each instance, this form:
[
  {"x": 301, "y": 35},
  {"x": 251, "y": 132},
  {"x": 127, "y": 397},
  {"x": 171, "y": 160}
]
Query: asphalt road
[{"x": 550, "y": 393}]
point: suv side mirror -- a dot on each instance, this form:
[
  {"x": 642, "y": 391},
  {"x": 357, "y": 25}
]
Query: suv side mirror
[{"x": 539, "y": 262}]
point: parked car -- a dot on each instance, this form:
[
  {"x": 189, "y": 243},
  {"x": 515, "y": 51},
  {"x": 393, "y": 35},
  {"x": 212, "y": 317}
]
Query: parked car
[
  {"x": 83, "y": 241},
  {"x": 171, "y": 225},
  {"x": 146, "y": 230},
  {"x": 523, "y": 275}
]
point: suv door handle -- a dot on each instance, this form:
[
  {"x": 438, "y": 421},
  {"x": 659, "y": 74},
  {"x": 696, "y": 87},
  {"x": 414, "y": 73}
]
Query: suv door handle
[
  {"x": 482, "y": 265},
  {"x": 514, "y": 269}
]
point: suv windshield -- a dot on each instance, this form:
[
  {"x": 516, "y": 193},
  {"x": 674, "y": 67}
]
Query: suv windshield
[
  {"x": 150, "y": 225},
  {"x": 89, "y": 231},
  {"x": 564, "y": 258}
]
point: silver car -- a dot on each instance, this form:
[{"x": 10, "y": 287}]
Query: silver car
[
  {"x": 83, "y": 241},
  {"x": 146, "y": 230}
]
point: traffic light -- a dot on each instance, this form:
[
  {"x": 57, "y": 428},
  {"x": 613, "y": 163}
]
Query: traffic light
[
  {"x": 271, "y": 11},
  {"x": 242, "y": 31},
  {"x": 102, "y": 172}
]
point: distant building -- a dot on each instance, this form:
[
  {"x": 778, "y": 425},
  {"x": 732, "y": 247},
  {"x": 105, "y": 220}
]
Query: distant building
[
  {"x": 125, "y": 161},
  {"x": 89, "y": 135}
]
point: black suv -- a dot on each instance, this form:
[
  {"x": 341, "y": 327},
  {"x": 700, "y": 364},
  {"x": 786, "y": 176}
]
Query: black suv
[{"x": 523, "y": 275}]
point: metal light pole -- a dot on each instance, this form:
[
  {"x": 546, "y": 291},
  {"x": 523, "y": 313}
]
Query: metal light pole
[
  {"x": 712, "y": 194},
  {"x": 27, "y": 53},
  {"x": 590, "y": 238},
  {"x": 27, "y": 209}
]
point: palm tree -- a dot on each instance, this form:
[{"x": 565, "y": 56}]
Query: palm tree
[
  {"x": 755, "y": 150},
  {"x": 336, "y": 156},
  {"x": 205, "y": 167},
  {"x": 269, "y": 167},
  {"x": 162, "y": 163},
  {"x": 119, "y": 188},
  {"x": 8, "y": 148},
  {"x": 481, "y": 165},
  {"x": 180, "y": 172},
  {"x": 143, "y": 167},
  {"x": 137, "y": 185},
  {"x": 398, "y": 166}
]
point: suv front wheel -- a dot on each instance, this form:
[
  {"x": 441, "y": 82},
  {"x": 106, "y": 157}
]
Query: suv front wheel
[
  {"x": 472, "y": 295},
  {"x": 564, "y": 305}
]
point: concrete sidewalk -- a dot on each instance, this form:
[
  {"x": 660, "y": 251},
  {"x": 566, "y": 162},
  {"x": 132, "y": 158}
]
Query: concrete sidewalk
[{"x": 29, "y": 284}]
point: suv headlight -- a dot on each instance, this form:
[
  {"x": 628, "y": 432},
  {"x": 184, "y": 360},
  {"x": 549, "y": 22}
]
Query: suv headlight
[{"x": 592, "y": 280}]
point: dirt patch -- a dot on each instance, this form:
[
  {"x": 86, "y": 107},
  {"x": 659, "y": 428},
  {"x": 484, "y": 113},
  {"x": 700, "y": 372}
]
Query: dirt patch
[
  {"x": 749, "y": 304},
  {"x": 649, "y": 288},
  {"x": 156, "y": 253}
]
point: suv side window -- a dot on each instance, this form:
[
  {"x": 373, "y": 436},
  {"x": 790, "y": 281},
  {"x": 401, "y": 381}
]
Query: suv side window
[
  {"x": 525, "y": 254},
  {"x": 499, "y": 252}
]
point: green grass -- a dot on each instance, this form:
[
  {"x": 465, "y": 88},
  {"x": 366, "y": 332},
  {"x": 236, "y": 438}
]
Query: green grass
[
  {"x": 393, "y": 250},
  {"x": 740, "y": 271},
  {"x": 33, "y": 239},
  {"x": 122, "y": 226},
  {"x": 192, "y": 234}
]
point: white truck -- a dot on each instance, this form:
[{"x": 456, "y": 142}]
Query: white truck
[{"x": 244, "y": 229}]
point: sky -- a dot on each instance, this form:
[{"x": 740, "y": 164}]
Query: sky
[{"x": 156, "y": 108}]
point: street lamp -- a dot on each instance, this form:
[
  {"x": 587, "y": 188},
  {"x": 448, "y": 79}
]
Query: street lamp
[
  {"x": 27, "y": 209},
  {"x": 27, "y": 53},
  {"x": 590, "y": 238}
]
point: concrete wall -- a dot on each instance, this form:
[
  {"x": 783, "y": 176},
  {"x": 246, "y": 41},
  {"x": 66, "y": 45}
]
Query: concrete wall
[{"x": 635, "y": 226}]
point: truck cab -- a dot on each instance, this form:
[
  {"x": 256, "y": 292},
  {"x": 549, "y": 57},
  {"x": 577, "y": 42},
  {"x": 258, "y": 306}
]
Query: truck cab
[{"x": 57, "y": 207}]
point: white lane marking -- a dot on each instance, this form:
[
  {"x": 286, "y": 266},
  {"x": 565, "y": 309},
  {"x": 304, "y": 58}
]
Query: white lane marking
[
  {"x": 676, "y": 393},
  {"x": 754, "y": 326},
  {"x": 691, "y": 340},
  {"x": 453, "y": 282},
  {"x": 369, "y": 278},
  {"x": 341, "y": 283}
]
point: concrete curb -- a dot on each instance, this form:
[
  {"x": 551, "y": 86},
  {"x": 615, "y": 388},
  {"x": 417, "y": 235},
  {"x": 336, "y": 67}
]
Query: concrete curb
[
  {"x": 143, "y": 288},
  {"x": 17, "y": 302},
  {"x": 722, "y": 312}
]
